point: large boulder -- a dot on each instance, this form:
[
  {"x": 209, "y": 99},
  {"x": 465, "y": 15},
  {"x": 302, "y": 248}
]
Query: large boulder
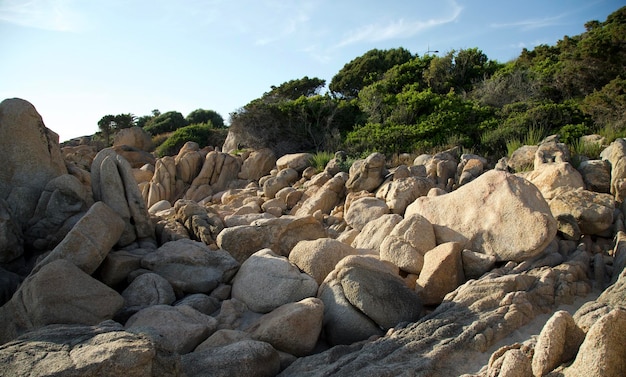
[
  {"x": 442, "y": 273},
  {"x": 364, "y": 296},
  {"x": 325, "y": 198},
  {"x": 295, "y": 161},
  {"x": 408, "y": 242},
  {"x": 113, "y": 183},
  {"x": 104, "y": 349},
  {"x": 258, "y": 164},
  {"x": 242, "y": 358},
  {"x": 190, "y": 266},
  {"x": 363, "y": 210},
  {"x": 319, "y": 257},
  {"x": 592, "y": 211},
  {"x": 279, "y": 234},
  {"x": 555, "y": 176},
  {"x": 218, "y": 171},
  {"x": 135, "y": 137},
  {"x": 30, "y": 162},
  {"x": 266, "y": 281},
  {"x": 293, "y": 328},
  {"x": 77, "y": 298},
  {"x": 89, "y": 241},
  {"x": 367, "y": 174},
  {"x": 375, "y": 231},
  {"x": 62, "y": 203},
  {"x": 177, "y": 328},
  {"x": 399, "y": 193},
  {"x": 498, "y": 213}
]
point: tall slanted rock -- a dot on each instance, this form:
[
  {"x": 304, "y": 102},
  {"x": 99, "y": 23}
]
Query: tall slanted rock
[{"x": 31, "y": 157}]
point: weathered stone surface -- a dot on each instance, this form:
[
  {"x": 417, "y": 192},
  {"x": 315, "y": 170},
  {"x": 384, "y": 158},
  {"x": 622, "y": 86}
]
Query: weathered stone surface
[
  {"x": 266, "y": 281},
  {"x": 135, "y": 156},
  {"x": 399, "y": 193},
  {"x": 295, "y": 161},
  {"x": 319, "y": 257},
  {"x": 203, "y": 223},
  {"x": 523, "y": 158},
  {"x": 375, "y": 231},
  {"x": 114, "y": 184},
  {"x": 29, "y": 161},
  {"x": 592, "y": 211},
  {"x": 258, "y": 164},
  {"x": 222, "y": 338},
  {"x": 119, "y": 264},
  {"x": 551, "y": 177},
  {"x": 135, "y": 137},
  {"x": 62, "y": 203},
  {"x": 474, "y": 317},
  {"x": 190, "y": 266},
  {"x": 498, "y": 213},
  {"x": 280, "y": 235},
  {"x": 293, "y": 328},
  {"x": 603, "y": 352},
  {"x": 244, "y": 358},
  {"x": 596, "y": 175},
  {"x": 364, "y": 210},
  {"x": 557, "y": 343},
  {"x": 283, "y": 178},
  {"x": 343, "y": 323},
  {"x": 76, "y": 298},
  {"x": 442, "y": 273},
  {"x": 189, "y": 161},
  {"x": 367, "y": 174},
  {"x": 176, "y": 328},
  {"x": 91, "y": 239},
  {"x": 476, "y": 264},
  {"x": 201, "y": 302},
  {"x": 407, "y": 243},
  {"x": 615, "y": 154},
  {"x": 11, "y": 237},
  {"x": 218, "y": 171},
  {"x": 382, "y": 296},
  {"x": 86, "y": 351},
  {"x": 326, "y": 198},
  {"x": 147, "y": 290}
]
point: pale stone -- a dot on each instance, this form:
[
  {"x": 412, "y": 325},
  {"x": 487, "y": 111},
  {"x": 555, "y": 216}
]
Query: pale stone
[
  {"x": 293, "y": 328},
  {"x": 407, "y": 243},
  {"x": 557, "y": 343},
  {"x": 592, "y": 211},
  {"x": 243, "y": 358},
  {"x": 319, "y": 257},
  {"x": 177, "y": 328},
  {"x": 257, "y": 164},
  {"x": 498, "y": 214},
  {"x": 399, "y": 193},
  {"x": 367, "y": 174},
  {"x": 364, "y": 210},
  {"x": 135, "y": 137},
  {"x": 375, "y": 231},
  {"x": 147, "y": 290},
  {"x": 296, "y": 161},
  {"x": 551, "y": 177},
  {"x": 266, "y": 281},
  {"x": 442, "y": 273}
]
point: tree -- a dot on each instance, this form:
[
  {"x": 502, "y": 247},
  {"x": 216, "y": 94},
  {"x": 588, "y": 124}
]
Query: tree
[
  {"x": 166, "y": 122},
  {"x": 294, "y": 89},
  {"x": 199, "y": 116},
  {"x": 459, "y": 71},
  {"x": 106, "y": 126},
  {"x": 365, "y": 70}
]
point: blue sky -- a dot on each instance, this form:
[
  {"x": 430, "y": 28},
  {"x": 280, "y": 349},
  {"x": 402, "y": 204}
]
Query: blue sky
[{"x": 78, "y": 60}]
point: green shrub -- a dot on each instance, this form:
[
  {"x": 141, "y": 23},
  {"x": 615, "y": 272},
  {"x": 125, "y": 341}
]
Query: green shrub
[
  {"x": 321, "y": 159},
  {"x": 203, "y": 134}
]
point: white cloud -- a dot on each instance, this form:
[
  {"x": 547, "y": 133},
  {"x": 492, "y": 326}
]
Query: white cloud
[
  {"x": 531, "y": 24},
  {"x": 56, "y": 15},
  {"x": 397, "y": 29}
]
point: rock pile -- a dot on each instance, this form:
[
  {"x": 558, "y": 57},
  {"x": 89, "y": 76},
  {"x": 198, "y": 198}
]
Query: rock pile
[{"x": 221, "y": 264}]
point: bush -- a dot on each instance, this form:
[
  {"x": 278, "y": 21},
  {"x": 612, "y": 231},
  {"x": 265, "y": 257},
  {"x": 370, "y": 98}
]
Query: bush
[
  {"x": 321, "y": 159},
  {"x": 203, "y": 134}
]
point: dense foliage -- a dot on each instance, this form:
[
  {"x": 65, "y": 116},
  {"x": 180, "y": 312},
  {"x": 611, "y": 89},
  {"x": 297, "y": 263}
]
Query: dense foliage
[
  {"x": 392, "y": 101},
  {"x": 204, "y": 134}
]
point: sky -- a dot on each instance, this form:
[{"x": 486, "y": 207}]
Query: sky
[{"x": 79, "y": 60}]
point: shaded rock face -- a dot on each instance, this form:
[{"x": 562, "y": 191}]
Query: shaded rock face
[
  {"x": 498, "y": 214},
  {"x": 113, "y": 183},
  {"x": 78, "y": 350},
  {"x": 367, "y": 174},
  {"x": 30, "y": 161}
]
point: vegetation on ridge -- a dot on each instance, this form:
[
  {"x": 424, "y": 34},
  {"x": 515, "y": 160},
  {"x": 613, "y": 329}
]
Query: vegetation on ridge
[{"x": 392, "y": 101}]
